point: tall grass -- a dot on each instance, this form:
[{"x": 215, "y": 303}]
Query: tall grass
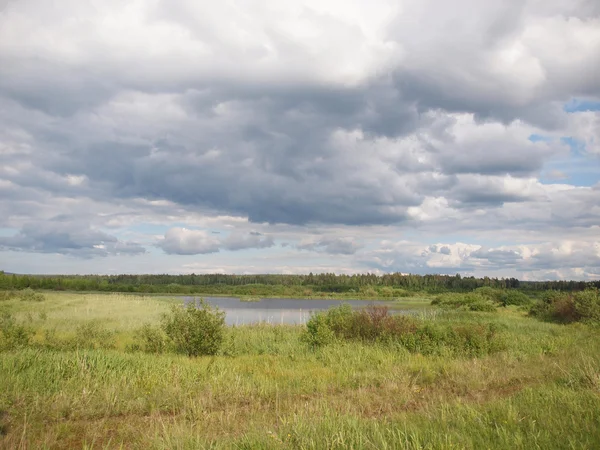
[{"x": 269, "y": 389}]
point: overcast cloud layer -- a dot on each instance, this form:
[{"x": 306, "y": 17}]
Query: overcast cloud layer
[{"x": 266, "y": 136}]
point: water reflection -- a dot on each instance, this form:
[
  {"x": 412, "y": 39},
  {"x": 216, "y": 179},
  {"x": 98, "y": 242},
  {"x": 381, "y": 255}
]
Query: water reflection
[{"x": 276, "y": 311}]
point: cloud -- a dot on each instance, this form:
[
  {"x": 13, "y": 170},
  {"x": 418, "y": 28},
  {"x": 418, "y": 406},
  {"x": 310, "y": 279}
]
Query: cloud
[
  {"x": 307, "y": 122},
  {"x": 331, "y": 245},
  {"x": 183, "y": 241},
  {"x": 240, "y": 241},
  {"x": 585, "y": 127},
  {"x": 498, "y": 257},
  {"x": 68, "y": 238},
  {"x": 533, "y": 260}
]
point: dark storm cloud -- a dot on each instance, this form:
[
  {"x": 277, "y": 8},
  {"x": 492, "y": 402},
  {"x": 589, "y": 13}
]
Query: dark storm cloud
[
  {"x": 264, "y": 150},
  {"x": 52, "y": 88},
  {"x": 270, "y": 168}
]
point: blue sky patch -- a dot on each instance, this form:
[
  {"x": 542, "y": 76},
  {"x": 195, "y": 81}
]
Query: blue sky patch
[{"x": 578, "y": 105}]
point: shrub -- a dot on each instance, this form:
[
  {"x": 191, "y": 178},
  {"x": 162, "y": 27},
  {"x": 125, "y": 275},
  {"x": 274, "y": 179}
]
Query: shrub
[
  {"x": 471, "y": 301},
  {"x": 464, "y": 340},
  {"x": 340, "y": 320},
  {"x": 481, "y": 299},
  {"x": 513, "y": 297},
  {"x": 482, "y": 306},
  {"x": 375, "y": 324},
  {"x": 402, "y": 293},
  {"x": 29, "y": 295},
  {"x": 91, "y": 335},
  {"x": 490, "y": 293},
  {"x": 7, "y": 295},
  {"x": 587, "y": 305},
  {"x": 153, "y": 339},
  {"x": 370, "y": 324},
  {"x": 12, "y": 334},
  {"x": 318, "y": 331},
  {"x": 567, "y": 308},
  {"x": 195, "y": 330}
]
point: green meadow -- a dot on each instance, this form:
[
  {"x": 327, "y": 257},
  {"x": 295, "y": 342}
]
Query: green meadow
[{"x": 74, "y": 374}]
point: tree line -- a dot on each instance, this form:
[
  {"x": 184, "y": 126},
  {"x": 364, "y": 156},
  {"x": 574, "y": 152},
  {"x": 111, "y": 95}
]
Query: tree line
[{"x": 322, "y": 282}]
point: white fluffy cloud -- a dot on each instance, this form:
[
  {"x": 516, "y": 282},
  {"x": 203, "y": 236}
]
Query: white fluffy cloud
[
  {"x": 182, "y": 241},
  {"x": 506, "y": 260}
]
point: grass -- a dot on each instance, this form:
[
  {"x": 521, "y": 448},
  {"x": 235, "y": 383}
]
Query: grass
[{"x": 269, "y": 389}]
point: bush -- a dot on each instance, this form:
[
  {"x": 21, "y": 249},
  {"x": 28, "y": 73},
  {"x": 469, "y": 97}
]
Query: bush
[
  {"x": 318, "y": 331},
  {"x": 465, "y": 339},
  {"x": 512, "y": 297},
  {"x": 587, "y": 305},
  {"x": 7, "y": 295},
  {"x": 12, "y": 334},
  {"x": 370, "y": 324},
  {"x": 561, "y": 307},
  {"x": 471, "y": 301},
  {"x": 29, "y": 295},
  {"x": 490, "y": 293},
  {"x": 375, "y": 324},
  {"x": 91, "y": 335},
  {"x": 340, "y": 320},
  {"x": 153, "y": 339},
  {"x": 481, "y": 299},
  {"x": 482, "y": 306},
  {"x": 195, "y": 330}
]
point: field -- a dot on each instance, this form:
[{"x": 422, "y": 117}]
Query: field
[{"x": 80, "y": 383}]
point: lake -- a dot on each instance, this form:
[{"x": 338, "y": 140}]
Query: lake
[{"x": 276, "y": 311}]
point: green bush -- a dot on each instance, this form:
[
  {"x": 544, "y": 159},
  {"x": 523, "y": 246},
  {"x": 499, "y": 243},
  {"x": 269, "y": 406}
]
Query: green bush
[
  {"x": 490, "y": 293},
  {"x": 481, "y": 299},
  {"x": 370, "y": 324},
  {"x": 375, "y": 324},
  {"x": 91, "y": 335},
  {"x": 7, "y": 295},
  {"x": 29, "y": 295},
  {"x": 482, "y": 306},
  {"x": 12, "y": 334},
  {"x": 513, "y": 297},
  {"x": 340, "y": 320},
  {"x": 195, "y": 330},
  {"x": 470, "y": 301},
  {"x": 153, "y": 339},
  {"x": 587, "y": 305},
  {"x": 562, "y": 307},
  {"x": 318, "y": 330}
]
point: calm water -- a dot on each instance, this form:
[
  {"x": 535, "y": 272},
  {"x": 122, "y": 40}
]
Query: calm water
[{"x": 275, "y": 310}]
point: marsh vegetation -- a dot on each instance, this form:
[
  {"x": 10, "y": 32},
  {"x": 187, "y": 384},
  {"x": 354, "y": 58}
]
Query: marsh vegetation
[{"x": 111, "y": 370}]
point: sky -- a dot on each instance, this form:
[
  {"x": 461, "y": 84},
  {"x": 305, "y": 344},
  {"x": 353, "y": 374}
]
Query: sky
[{"x": 261, "y": 136}]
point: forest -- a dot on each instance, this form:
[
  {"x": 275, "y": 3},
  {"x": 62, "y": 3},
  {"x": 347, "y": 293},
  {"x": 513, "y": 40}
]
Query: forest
[{"x": 270, "y": 284}]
